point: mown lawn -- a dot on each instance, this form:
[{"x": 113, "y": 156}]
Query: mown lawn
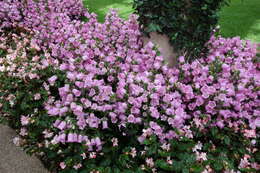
[
  {"x": 241, "y": 18},
  {"x": 101, "y": 7}
]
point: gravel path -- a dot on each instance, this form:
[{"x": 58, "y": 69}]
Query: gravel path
[{"x": 13, "y": 159}]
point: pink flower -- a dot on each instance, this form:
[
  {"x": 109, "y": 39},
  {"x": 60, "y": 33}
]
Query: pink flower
[
  {"x": 62, "y": 165},
  {"x": 78, "y": 166},
  {"x": 62, "y": 125},
  {"x": 93, "y": 121},
  {"x": 25, "y": 120},
  {"x": 201, "y": 156},
  {"x": 63, "y": 110},
  {"x": 244, "y": 163},
  {"x": 131, "y": 119},
  {"x": 53, "y": 111},
  {"x": 83, "y": 156},
  {"x": 70, "y": 137},
  {"x": 150, "y": 162},
  {"x": 52, "y": 80},
  {"x": 76, "y": 92},
  {"x": 17, "y": 141},
  {"x": 250, "y": 133},
  {"x": 92, "y": 155},
  {"x": 104, "y": 124},
  {"x": 154, "y": 112},
  {"x": 181, "y": 59},
  {"x": 37, "y": 96},
  {"x": 166, "y": 147},
  {"x": 61, "y": 138},
  {"x": 169, "y": 161},
  {"x": 114, "y": 141},
  {"x": 23, "y": 132}
]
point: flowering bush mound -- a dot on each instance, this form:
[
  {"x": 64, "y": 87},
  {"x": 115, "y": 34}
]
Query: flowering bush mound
[{"x": 90, "y": 97}]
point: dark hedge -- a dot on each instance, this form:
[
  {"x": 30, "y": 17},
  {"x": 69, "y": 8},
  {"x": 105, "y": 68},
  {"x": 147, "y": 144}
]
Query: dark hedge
[{"x": 188, "y": 23}]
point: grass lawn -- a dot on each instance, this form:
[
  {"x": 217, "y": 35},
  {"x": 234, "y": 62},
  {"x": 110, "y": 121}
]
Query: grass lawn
[
  {"x": 101, "y": 7},
  {"x": 241, "y": 18}
]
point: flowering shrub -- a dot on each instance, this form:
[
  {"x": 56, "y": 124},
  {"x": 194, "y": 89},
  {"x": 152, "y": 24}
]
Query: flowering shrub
[
  {"x": 24, "y": 69},
  {"x": 91, "y": 97}
]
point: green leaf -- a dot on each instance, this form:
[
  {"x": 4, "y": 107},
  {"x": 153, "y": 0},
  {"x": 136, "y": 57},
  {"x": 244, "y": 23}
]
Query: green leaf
[
  {"x": 227, "y": 140},
  {"x": 106, "y": 162},
  {"x": 197, "y": 168},
  {"x": 164, "y": 165},
  {"x": 185, "y": 170},
  {"x": 217, "y": 165},
  {"x": 214, "y": 131},
  {"x": 154, "y": 28}
]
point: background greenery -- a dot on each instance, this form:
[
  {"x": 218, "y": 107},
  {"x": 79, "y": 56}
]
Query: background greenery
[
  {"x": 188, "y": 24},
  {"x": 101, "y": 7},
  {"x": 241, "y": 18}
]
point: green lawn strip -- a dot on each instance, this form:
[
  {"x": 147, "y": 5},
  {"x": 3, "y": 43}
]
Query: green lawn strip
[
  {"x": 101, "y": 7},
  {"x": 241, "y": 18}
]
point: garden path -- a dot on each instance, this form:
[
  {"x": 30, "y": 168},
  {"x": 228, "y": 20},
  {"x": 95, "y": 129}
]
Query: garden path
[{"x": 13, "y": 159}]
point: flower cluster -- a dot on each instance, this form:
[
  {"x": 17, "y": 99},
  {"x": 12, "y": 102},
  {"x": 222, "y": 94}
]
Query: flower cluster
[
  {"x": 10, "y": 13},
  {"x": 93, "y": 97},
  {"x": 224, "y": 86},
  {"x": 22, "y": 58}
]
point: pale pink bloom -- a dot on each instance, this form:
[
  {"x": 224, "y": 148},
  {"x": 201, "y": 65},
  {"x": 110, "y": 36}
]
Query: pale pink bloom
[
  {"x": 62, "y": 125},
  {"x": 36, "y": 58},
  {"x": 166, "y": 147},
  {"x": 52, "y": 80},
  {"x": 244, "y": 163},
  {"x": 37, "y": 96},
  {"x": 84, "y": 156},
  {"x": 133, "y": 152},
  {"x": 250, "y": 133},
  {"x": 201, "y": 156},
  {"x": 255, "y": 166},
  {"x": 25, "y": 120},
  {"x": 154, "y": 170},
  {"x": 47, "y": 134},
  {"x": 115, "y": 142},
  {"x": 104, "y": 125},
  {"x": 169, "y": 161},
  {"x": 62, "y": 165},
  {"x": 17, "y": 141},
  {"x": 92, "y": 155},
  {"x": 23, "y": 132},
  {"x": 149, "y": 162},
  {"x": 197, "y": 147},
  {"x": 33, "y": 75},
  {"x": 77, "y": 166},
  {"x": 53, "y": 111}
]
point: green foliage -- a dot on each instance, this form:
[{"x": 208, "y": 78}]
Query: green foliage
[
  {"x": 188, "y": 23},
  {"x": 241, "y": 18},
  {"x": 23, "y": 92}
]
